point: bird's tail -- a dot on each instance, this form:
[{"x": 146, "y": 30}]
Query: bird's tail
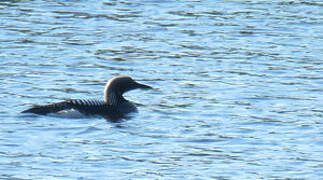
[{"x": 52, "y": 108}]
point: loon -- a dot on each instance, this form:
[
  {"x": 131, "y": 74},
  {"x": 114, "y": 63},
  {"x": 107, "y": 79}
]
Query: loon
[{"x": 113, "y": 107}]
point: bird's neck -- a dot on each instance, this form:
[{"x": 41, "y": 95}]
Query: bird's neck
[{"x": 113, "y": 98}]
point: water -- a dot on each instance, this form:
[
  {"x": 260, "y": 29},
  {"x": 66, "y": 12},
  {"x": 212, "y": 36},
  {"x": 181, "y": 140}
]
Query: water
[{"x": 238, "y": 89}]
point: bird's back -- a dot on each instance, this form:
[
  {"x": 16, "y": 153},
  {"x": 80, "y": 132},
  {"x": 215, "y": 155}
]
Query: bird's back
[{"x": 86, "y": 107}]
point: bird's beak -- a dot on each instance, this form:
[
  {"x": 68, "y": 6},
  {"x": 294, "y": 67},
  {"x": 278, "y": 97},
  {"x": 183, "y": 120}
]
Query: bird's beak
[{"x": 142, "y": 86}]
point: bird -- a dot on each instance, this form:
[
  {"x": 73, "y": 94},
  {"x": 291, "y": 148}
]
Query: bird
[{"x": 114, "y": 106}]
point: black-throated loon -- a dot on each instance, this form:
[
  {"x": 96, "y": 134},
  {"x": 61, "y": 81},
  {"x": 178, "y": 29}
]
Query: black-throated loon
[{"x": 113, "y": 107}]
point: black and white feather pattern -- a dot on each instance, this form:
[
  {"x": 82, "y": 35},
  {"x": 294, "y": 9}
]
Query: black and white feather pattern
[
  {"x": 87, "y": 102},
  {"x": 85, "y": 106}
]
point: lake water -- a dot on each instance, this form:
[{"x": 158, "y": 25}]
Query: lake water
[{"x": 238, "y": 89}]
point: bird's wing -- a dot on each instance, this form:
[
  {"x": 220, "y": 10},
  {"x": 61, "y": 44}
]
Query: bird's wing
[{"x": 86, "y": 106}]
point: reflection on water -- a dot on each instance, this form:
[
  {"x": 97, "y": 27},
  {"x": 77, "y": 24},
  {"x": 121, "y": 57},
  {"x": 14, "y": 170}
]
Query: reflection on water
[{"x": 238, "y": 89}]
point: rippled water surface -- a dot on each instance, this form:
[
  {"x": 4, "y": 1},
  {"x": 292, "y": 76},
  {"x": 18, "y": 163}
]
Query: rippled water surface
[{"x": 238, "y": 89}]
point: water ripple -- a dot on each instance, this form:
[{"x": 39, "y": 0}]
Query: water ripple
[{"x": 237, "y": 89}]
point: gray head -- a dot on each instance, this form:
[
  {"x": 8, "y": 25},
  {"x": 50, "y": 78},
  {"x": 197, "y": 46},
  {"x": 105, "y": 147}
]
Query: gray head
[{"x": 117, "y": 86}]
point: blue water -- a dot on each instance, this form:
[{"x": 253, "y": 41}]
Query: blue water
[{"x": 238, "y": 89}]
